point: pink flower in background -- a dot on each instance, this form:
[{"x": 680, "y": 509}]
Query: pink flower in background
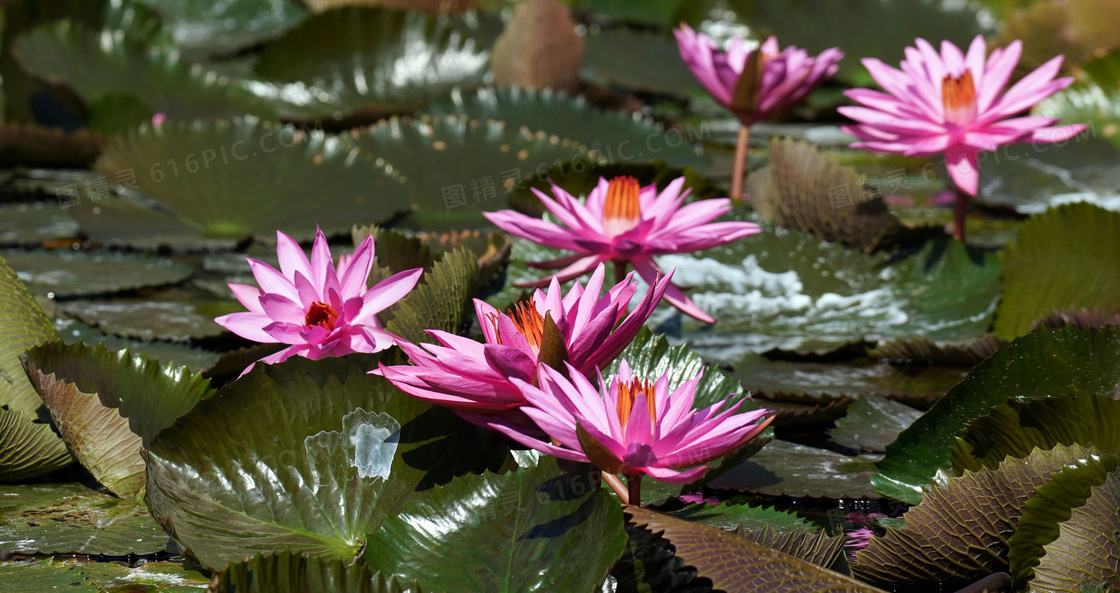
[
  {"x": 631, "y": 426},
  {"x": 857, "y": 540},
  {"x": 787, "y": 75},
  {"x": 319, "y": 310},
  {"x": 627, "y": 224},
  {"x": 954, "y": 103},
  {"x": 158, "y": 119},
  {"x": 467, "y": 376}
]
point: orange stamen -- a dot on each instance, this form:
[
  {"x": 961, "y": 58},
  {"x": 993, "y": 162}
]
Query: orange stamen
[
  {"x": 958, "y": 95},
  {"x": 528, "y": 321},
  {"x": 628, "y": 392},
  {"x": 621, "y": 209},
  {"x": 322, "y": 315}
]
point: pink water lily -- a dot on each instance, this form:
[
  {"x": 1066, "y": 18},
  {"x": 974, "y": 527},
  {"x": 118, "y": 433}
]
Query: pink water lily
[
  {"x": 469, "y": 376},
  {"x": 954, "y": 104},
  {"x": 318, "y": 309},
  {"x": 625, "y": 223},
  {"x": 632, "y": 426}
]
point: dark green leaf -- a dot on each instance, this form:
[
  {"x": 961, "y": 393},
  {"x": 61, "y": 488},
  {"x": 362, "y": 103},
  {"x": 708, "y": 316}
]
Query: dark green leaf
[
  {"x": 207, "y": 28},
  {"x": 1044, "y": 362},
  {"x": 533, "y": 529},
  {"x": 35, "y": 223},
  {"x": 165, "y": 319},
  {"x": 644, "y": 62},
  {"x": 292, "y": 572},
  {"x": 872, "y": 423},
  {"x": 442, "y": 301},
  {"x": 63, "y": 274},
  {"x": 742, "y": 517},
  {"x": 783, "y": 468}
]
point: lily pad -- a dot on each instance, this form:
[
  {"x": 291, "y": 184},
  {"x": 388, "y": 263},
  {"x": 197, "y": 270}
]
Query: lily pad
[
  {"x": 783, "y": 468},
  {"x": 209, "y": 28},
  {"x": 817, "y": 547},
  {"x": 922, "y": 350},
  {"x": 1086, "y": 546},
  {"x": 292, "y": 572},
  {"x": 245, "y": 178},
  {"x": 872, "y": 423},
  {"x": 555, "y": 112},
  {"x": 458, "y": 167},
  {"x": 362, "y": 63},
  {"x": 83, "y": 576},
  {"x": 961, "y": 530},
  {"x": 644, "y": 62},
  {"x": 367, "y": 448},
  {"x": 186, "y": 355},
  {"x": 153, "y": 320},
  {"x": 72, "y": 519},
  {"x": 1044, "y": 362},
  {"x": 532, "y": 529},
  {"x": 738, "y": 565},
  {"x": 743, "y": 518},
  {"x": 97, "y": 63},
  {"x": 28, "y": 445},
  {"x": 35, "y": 223},
  {"x": 61, "y": 274},
  {"x": 109, "y": 405},
  {"x": 442, "y": 302},
  {"x": 1055, "y": 264}
]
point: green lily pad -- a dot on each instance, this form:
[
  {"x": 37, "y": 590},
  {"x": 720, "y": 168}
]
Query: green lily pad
[
  {"x": 1044, "y": 362},
  {"x": 196, "y": 359},
  {"x": 872, "y": 423},
  {"x": 28, "y": 445},
  {"x": 555, "y": 112},
  {"x": 292, "y": 572},
  {"x": 1086, "y": 545},
  {"x": 962, "y": 529},
  {"x": 644, "y": 62},
  {"x": 656, "y": 13},
  {"x": 362, "y": 63},
  {"x": 72, "y": 519},
  {"x": 107, "y": 406},
  {"x": 532, "y": 529},
  {"x": 36, "y": 146},
  {"x": 457, "y": 167},
  {"x": 153, "y": 320},
  {"x": 1053, "y": 504},
  {"x": 97, "y": 63},
  {"x": 32, "y": 224},
  {"x": 738, "y": 565},
  {"x": 742, "y": 517},
  {"x": 442, "y": 302},
  {"x": 219, "y": 28},
  {"x": 62, "y": 274},
  {"x": 922, "y": 350},
  {"x": 783, "y": 468},
  {"x": 97, "y": 577},
  {"x": 1055, "y": 264},
  {"x": 233, "y": 180},
  {"x": 367, "y": 448}
]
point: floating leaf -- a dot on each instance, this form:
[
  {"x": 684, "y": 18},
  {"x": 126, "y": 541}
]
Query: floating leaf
[
  {"x": 1053, "y": 504},
  {"x": 208, "y": 28},
  {"x": 642, "y": 62},
  {"x": 539, "y": 48},
  {"x": 35, "y": 223},
  {"x": 1086, "y": 548},
  {"x": 818, "y": 547},
  {"x": 1082, "y": 319},
  {"x": 742, "y": 517},
  {"x": 738, "y": 565},
  {"x": 622, "y": 138},
  {"x": 1044, "y": 362},
  {"x": 442, "y": 302},
  {"x": 1055, "y": 263},
  {"x": 872, "y": 423},
  {"x": 28, "y": 446},
  {"x": 72, "y": 519},
  {"x": 358, "y": 64},
  {"x": 807, "y": 191},
  {"x": 249, "y": 178},
  {"x": 153, "y": 320},
  {"x": 922, "y": 350},
  {"x": 960, "y": 531},
  {"x": 292, "y": 572},
  {"x": 366, "y": 448},
  {"x": 532, "y": 529},
  {"x": 186, "y": 355},
  {"x": 783, "y": 468},
  {"x": 62, "y": 274}
]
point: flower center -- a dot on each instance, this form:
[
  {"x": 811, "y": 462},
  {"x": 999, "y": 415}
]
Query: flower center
[
  {"x": 322, "y": 315},
  {"x": 528, "y": 321},
  {"x": 622, "y": 209},
  {"x": 628, "y": 392},
  {"x": 958, "y": 95}
]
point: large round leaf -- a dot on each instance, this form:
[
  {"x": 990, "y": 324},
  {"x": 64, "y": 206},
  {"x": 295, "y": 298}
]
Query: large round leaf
[
  {"x": 1045, "y": 362},
  {"x": 533, "y": 529},
  {"x": 63, "y": 274},
  {"x": 35, "y": 223},
  {"x": 303, "y": 455},
  {"x": 251, "y": 178},
  {"x": 628, "y": 137},
  {"x": 782, "y": 468},
  {"x": 872, "y": 423},
  {"x": 170, "y": 319},
  {"x": 28, "y": 446},
  {"x": 363, "y": 63},
  {"x": 205, "y": 27},
  {"x": 1087, "y": 547},
  {"x": 643, "y": 62},
  {"x": 1055, "y": 264},
  {"x": 292, "y": 572}
]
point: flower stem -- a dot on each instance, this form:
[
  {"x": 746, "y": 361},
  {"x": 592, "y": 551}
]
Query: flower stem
[
  {"x": 616, "y": 485},
  {"x": 958, "y": 221},
  {"x": 619, "y": 270},
  {"x": 634, "y": 487},
  {"x": 739, "y": 169}
]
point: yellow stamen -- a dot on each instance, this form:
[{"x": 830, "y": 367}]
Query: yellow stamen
[
  {"x": 528, "y": 321},
  {"x": 958, "y": 95},
  {"x": 628, "y": 392},
  {"x": 621, "y": 209},
  {"x": 322, "y": 315}
]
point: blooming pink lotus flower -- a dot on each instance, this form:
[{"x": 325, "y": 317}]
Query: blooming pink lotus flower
[
  {"x": 954, "y": 103},
  {"x": 627, "y": 224},
  {"x": 787, "y": 75},
  {"x": 631, "y": 426},
  {"x": 467, "y": 376},
  {"x": 318, "y": 309}
]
